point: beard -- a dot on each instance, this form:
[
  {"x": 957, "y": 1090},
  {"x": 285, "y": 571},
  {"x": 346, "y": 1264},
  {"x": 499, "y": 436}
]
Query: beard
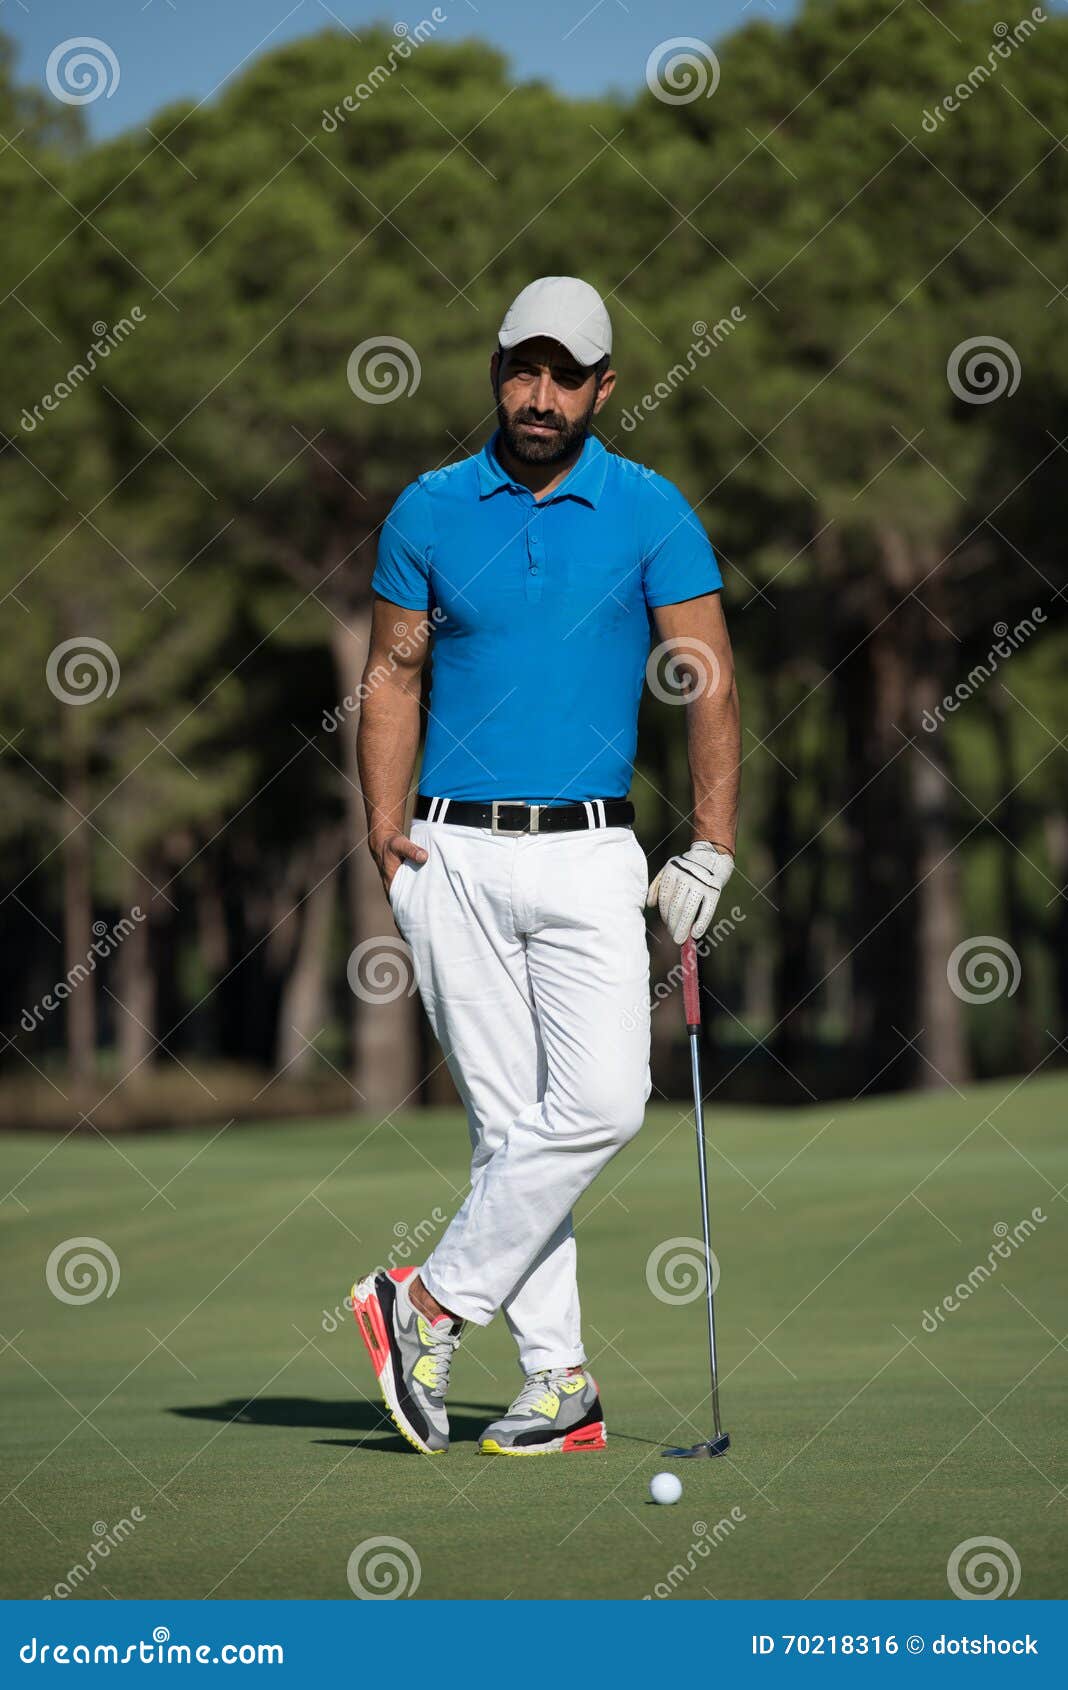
[{"x": 565, "y": 442}]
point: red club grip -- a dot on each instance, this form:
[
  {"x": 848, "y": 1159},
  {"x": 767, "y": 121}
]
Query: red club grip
[{"x": 691, "y": 985}]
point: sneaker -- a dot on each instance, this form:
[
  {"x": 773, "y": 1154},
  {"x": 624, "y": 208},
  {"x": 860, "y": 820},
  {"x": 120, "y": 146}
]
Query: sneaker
[
  {"x": 557, "y": 1411},
  {"x": 411, "y": 1356}
]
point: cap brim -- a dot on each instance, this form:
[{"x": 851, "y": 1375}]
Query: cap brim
[{"x": 582, "y": 350}]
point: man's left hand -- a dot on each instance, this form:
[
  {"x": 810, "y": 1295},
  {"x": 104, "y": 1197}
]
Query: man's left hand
[{"x": 687, "y": 889}]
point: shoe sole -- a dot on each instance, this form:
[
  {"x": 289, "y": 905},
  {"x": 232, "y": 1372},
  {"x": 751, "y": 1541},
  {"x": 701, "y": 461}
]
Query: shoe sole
[
  {"x": 586, "y": 1437},
  {"x": 371, "y": 1325}
]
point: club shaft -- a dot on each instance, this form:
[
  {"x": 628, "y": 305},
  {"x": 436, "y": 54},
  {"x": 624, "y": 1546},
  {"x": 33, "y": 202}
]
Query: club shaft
[{"x": 702, "y": 1167}]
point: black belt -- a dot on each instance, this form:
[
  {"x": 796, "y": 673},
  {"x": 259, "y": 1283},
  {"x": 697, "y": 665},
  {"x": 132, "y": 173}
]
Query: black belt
[{"x": 504, "y": 816}]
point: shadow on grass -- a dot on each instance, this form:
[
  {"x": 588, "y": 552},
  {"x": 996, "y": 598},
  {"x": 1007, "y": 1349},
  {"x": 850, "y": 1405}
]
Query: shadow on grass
[{"x": 357, "y": 1415}]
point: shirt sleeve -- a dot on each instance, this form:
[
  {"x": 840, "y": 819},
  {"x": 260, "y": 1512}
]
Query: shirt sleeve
[
  {"x": 402, "y": 571},
  {"x": 677, "y": 560}
]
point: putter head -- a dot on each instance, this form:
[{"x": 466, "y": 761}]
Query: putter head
[{"x": 714, "y": 1446}]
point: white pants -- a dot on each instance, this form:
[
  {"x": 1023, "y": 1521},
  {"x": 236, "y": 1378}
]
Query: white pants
[{"x": 533, "y": 968}]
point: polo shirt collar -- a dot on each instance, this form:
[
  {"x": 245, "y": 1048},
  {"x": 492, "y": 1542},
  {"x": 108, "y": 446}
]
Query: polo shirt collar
[{"x": 585, "y": 480}]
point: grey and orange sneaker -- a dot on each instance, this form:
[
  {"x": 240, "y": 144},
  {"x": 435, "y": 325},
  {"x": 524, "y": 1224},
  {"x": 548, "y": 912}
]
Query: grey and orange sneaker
[
  {"x": 411, "y": 1356},
  {"x": 556, "y": 1412}
]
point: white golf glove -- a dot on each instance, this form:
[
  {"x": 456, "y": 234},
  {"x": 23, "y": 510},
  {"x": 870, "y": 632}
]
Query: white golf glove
[{"x": 687, "y": 889}]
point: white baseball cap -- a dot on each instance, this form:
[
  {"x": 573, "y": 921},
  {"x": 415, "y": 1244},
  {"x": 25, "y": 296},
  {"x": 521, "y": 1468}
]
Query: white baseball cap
[{"x": 562, "y": 308}]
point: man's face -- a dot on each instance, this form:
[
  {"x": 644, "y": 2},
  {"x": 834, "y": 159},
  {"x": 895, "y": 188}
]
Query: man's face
[{"x": 545, "y": 400}]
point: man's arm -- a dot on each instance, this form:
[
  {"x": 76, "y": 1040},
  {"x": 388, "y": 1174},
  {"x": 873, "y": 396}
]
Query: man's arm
[
  {"x": 687, "y": 889},
  {"x": 701, "y": 649},
  {"x": 388, "y": 740}
]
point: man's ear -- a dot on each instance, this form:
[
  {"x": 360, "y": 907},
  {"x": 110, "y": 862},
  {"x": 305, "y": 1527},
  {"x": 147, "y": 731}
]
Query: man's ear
[
  {"x": 495, "y": 370},
  {"x": 604, "y": 391}
]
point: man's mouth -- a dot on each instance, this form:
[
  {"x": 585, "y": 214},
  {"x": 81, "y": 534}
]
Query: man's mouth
[{"x": 539, "y": 428}]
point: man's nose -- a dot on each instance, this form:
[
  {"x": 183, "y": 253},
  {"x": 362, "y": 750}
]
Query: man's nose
[{"x": 542, "y": 397}]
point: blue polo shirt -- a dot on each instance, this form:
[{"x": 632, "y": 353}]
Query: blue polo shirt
[{"x": 541, "y": 626}]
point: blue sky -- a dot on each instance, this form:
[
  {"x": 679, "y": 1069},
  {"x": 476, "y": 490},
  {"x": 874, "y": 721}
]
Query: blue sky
[{"x": 170, "y": 49}]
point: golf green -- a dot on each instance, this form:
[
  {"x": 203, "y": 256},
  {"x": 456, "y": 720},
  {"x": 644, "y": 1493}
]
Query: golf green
[{"x": 206, "y": 1418}]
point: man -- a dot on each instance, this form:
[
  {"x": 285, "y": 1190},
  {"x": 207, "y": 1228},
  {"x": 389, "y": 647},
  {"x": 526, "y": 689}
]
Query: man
[{"x": 520, "y": 888}]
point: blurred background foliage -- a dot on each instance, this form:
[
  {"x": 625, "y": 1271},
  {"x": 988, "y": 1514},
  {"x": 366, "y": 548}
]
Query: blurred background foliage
[{"x": 206, "y": 503}]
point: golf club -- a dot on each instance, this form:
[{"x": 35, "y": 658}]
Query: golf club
[{"x": 719, "y": 1442}]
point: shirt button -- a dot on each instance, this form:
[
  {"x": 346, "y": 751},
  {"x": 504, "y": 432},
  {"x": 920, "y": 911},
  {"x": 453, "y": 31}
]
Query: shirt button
[{"x": 533, "y": 569}]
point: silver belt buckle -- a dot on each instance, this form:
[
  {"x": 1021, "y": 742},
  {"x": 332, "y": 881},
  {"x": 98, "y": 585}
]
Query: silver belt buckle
[{"x": 534, "y": 810}]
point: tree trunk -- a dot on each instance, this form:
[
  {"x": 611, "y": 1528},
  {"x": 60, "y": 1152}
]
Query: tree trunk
[
  {"x": 791, "y": 975},
  {"x": 881, "y": 911},
  {"x": 302, "y": 1010},
  {"x": 1027, "y": 1052},
  {"x": 135, "y": 975},
  {"x": 906, "y": 894},
  {"x": 758, "y": 996},
  {"x": 385, "y": 1067},
  {"x": 206, "y": 1027},
  {"x": 213, "y": 937},
  {"x": 941, "y": 1015},
  {"x": 1056, "y": 829},
  {"x": 78, "y": 903}
]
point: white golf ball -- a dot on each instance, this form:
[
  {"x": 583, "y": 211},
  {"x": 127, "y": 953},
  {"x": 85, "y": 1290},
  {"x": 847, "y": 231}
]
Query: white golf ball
[{"x": 665, "y": 1487}]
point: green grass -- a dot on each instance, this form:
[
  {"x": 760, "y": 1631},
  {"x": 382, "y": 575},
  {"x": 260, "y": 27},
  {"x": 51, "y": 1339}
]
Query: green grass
[{"x": 250, "y": 1442}]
